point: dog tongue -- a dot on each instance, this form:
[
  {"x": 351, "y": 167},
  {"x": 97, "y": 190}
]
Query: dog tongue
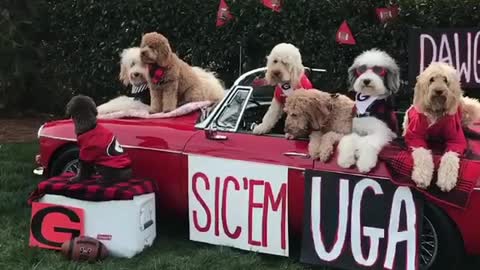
[{"x": 138, "y": 88}]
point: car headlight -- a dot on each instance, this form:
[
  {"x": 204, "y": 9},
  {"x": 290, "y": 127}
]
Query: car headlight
[{"x": 39, "y": 131}]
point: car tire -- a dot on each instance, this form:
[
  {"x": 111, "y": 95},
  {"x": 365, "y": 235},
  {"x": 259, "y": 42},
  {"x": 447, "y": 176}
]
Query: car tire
[
  {"x": 65, "y": 159},
  {"x": 439, "y": 229}
]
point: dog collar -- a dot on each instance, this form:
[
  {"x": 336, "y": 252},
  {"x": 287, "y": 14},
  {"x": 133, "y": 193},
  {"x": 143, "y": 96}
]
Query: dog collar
[
  {"x": 136, "y": 89},
  {"x": 286, "y": 88},
  {"x": 363, "y": 103},
  {"x": 156, "y": 73}
]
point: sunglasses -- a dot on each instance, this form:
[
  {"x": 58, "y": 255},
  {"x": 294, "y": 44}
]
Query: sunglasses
[{"x": 380, "y": 71}]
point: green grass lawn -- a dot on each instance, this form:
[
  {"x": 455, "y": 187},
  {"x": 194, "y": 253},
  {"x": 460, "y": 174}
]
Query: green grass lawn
[{"x": 172, "y": 249}]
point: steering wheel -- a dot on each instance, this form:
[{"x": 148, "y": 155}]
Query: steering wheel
[
  {"x": 255, "y": 102},
  {"x": 246, "y": 123}
]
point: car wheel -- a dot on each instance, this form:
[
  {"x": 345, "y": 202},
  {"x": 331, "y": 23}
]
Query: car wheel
[
  {"x": 441, "y": 244},
  {"x": 65, "y": 161}
]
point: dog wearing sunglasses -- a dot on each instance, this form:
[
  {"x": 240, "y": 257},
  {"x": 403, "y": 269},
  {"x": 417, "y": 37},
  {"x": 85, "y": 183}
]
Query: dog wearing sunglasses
[{"x": 375, "y": 77}]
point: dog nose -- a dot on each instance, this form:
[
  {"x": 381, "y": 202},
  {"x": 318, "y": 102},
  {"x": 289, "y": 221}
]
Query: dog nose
[
  {"x": 366, "y": 81},
  {"x": 143, "y": 53},
  {"x": 136, "y": 74},
  {"x": 438, "y": 92},
  {"x": 276, "y": 73}
]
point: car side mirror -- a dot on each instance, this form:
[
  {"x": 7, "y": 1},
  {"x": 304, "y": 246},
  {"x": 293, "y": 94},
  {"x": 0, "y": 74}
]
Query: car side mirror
[
  {"x": 211, "y": 134},
  {"x": 203, "y": 114}
]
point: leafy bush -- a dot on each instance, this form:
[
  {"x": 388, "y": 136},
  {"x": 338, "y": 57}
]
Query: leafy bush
[
  {"x": 83, "y": 38},
  {"x": 21, "y": 60}
]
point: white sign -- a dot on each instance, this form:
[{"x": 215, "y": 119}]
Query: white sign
[{"x": 238, "y": 204}]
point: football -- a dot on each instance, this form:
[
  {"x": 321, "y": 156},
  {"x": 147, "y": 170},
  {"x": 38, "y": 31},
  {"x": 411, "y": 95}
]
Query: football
[{"x": 84, "y": 248}]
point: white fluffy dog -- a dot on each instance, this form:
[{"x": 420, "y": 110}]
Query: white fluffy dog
[
  {"x": 135, "y": 73},
  {"x": 132, "y": 72},
  {"x": 439, "y": 112},
  {"x": 374, "y": 76},
  {"x": 286, "y": 71}
]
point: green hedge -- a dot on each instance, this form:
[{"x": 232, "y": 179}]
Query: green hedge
[
  {"x": 83, "y": 38},
  {"x": 21, "y": 59}
]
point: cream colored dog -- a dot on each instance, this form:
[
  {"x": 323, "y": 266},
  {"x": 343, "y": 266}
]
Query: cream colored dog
[
  {"x": 284, "y": 70},
  {"x": 172, "y": 81},
  {"x": 439, "y": 111},
  {"x": 324, "y": 117},
  {"x": 132, "y": 72}
]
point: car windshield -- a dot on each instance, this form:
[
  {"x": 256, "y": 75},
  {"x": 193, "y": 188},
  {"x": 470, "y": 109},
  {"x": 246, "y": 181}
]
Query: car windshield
[
  {"x": 247, "y": 104},
  {"x": 231, "y": 113}
]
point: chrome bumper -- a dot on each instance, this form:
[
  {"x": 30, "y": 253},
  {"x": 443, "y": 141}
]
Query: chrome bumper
[{"x": 38, "y": 171}]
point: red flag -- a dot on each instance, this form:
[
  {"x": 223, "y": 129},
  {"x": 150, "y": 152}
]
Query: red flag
[
  {"x": 223, "y": 14},
  {"x": 344, "y": 35},
  {"x": 275, "y": 5},
  {"x": 388, "y": 13}
]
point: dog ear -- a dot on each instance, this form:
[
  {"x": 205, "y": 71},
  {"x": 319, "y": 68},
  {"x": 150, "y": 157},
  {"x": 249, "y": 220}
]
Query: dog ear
[
  {"x": 454, "y": 80},
  {"x": 393, "y": 79},
  {"x": 296, "y": 69},
  {"x": 456, "y": 91},
  {"x": 68, "y": 108},
  {"x": 90, "y": 103},
  {"x": 123, "y": 53},
  {"x": 123, "y": 76},
  {"x": 351, "y": 77},
  {"x": 165, "y": 52},
  {"x": 420, "y": 91},
  {"x": 94, "y": 109},
  {"x": 268, "y": 73},
  {"x": 317, "y": 111}
]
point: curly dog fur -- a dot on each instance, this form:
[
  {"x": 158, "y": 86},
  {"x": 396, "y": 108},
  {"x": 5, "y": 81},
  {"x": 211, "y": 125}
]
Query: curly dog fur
[
  {"x": 438, "y": 94},
  {"x": 83, "y": 111},
  {"x": 132, "y": 72},
  {"x": 284, "y": 65},
  {"x": 180, "y": 83},
  {"x": 322, "y": 116},
  {"x": 371, "y": 133}
]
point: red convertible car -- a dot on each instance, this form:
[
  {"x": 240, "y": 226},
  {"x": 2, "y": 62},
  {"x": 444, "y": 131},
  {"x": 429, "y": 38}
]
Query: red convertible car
[{"x": 159, "y": 149}]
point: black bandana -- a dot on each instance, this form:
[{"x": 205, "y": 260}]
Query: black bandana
[
  {"x": 141, "y": 93},
  {"x": 381, "y": 108}
]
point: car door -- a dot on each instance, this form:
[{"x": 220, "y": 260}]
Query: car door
[{"x": 223, "y": 140}]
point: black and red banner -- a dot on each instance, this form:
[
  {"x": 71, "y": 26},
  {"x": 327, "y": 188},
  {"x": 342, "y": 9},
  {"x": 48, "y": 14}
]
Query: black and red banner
[
  {"x": 459, "y": 47},
  {"x": 354, "y": 222}
]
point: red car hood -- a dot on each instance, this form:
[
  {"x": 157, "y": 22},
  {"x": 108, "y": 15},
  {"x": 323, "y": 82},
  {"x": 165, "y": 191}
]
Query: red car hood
[{"x": 126, "y": 128}]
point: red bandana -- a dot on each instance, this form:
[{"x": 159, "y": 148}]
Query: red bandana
[{"x": 156, "y": 73}]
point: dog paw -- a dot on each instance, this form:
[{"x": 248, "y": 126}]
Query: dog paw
[
  {"x": 289, "y": 136},
  {"x": 422, "y": 178},
  {"x": 366, "y": 163},
  {"x": 313, "y": 155},
  {"x": 154, "y": 110},
  {"x": 448, "y": 171},
  {"x": 313, "y": 150},
  {"x": 325, "y": 153},
  {"x": 423, "y": 167},
  {"x": 260, "y": 129},
  {"x": 346, "y": 160}
]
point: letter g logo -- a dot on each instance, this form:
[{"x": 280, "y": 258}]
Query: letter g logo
[{"x": 51, "y": 225}]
